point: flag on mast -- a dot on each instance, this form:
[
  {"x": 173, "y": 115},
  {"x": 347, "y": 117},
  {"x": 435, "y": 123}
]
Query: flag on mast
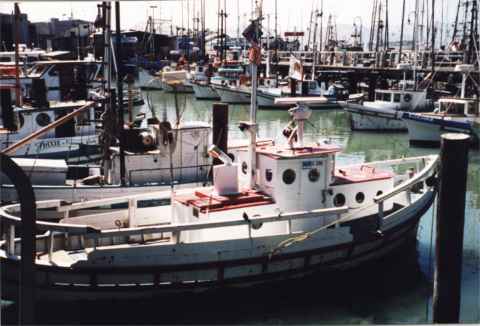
[{"x": 296, "y": 68}]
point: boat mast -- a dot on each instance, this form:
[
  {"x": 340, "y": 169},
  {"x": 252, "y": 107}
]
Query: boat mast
[
  {"x": 321, "y": 28},
  {"x": 276, "y": 42},
  {"x": 267, "y": 73},
  {"x": 433, "y": 37},
  {"x": 315, "y": 47},
  {"x": 18, "y": 99},
  {"x": 401, "y": 33},
  {"x": 120, "y": 94},
  {"x": 255, "y": 59}
]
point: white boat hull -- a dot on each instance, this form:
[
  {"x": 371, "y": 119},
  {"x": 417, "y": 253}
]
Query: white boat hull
[
  {"x": 265, "y": 100},
  {"x": 78, "y": 149},
  {"x": 426, "y": 131},
  {"x": 366, "y": 119},
  {"x": 233, "y": 96},
  {"x": 205, "y": 92},
  {"x": 147, "y": 81},
  {"x": 233, "y": 263},
  {"x": 181, "y": 88}
]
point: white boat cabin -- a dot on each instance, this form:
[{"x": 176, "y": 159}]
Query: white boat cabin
[
  {"x": 189, "y": 157},
  {"x": 62, "y": 78},
  {"x": 30, "y": 119},
  {"x": 458, "y": 107},
  {"x": 404, "y": 100},
  {"x": 227, "y": 76}
]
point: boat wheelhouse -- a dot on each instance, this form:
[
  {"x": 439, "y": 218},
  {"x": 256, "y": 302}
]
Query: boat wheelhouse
[
  {"x": 384, "y": 114},
  {"x": 65, "y": 80},
  {"x": 75, "y": 141},
  {"x": 457, "y": 115},
  {"x": 453, "y": 115}
]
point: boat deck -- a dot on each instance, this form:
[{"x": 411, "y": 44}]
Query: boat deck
[
  {"x": 206, "y": 200},
  {"x": 360, "y": 174}
]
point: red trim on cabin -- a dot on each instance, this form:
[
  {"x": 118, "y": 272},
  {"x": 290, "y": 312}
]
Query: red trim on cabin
[
  {"x": 303, "y": 152},
  {"x": 206, "y": 200},
  {"x": 358, "y": 175}
]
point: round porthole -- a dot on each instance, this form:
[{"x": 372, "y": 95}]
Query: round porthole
[
  {"x": 268, "y": 175},
  {"x": 339, "y": 200},
  {"x": 42, "y": 119},
  {"x": 379, "y": 193},
  {"x": 313, "y": 175},
  {"x": 289, "y": 176},
  {"x": 244, "y": 167},
  {"x": 360, "y": 197},
  {"x": 232, "y": 157}
]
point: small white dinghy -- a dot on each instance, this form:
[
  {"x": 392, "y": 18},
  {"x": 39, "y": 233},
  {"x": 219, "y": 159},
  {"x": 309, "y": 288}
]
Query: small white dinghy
[{"x": 296, "y": 214}]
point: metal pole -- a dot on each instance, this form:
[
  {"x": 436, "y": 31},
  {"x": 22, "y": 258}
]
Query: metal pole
[
  {"x": 401, "y": 33},
  {"x": 433, "y": 38},
  {"x": 120, "y": 94},
  {"x": 450, "y": 225},
  {"x": 18, "y": 99}
]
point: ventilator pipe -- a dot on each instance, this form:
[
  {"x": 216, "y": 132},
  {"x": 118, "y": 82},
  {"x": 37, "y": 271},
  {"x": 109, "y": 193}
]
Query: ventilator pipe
[{"x": 215, "y": 152}]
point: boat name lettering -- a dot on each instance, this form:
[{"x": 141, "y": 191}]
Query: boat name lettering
[
  {"x": 310, "y": 164},
  {"x": 49, "y": 144}
]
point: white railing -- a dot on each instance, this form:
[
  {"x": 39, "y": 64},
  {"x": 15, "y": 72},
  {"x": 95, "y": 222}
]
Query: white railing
[{"x": 86, "y": 232}]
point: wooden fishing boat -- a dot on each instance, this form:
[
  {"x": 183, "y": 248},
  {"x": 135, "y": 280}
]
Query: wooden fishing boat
[{"x": 299, "y": 213}]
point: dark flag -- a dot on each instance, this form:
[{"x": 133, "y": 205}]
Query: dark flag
[{"x": 253, "y": 33}]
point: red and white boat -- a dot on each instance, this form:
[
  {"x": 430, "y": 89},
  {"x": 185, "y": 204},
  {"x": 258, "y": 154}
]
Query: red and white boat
[{"x": 274, "y": 213}]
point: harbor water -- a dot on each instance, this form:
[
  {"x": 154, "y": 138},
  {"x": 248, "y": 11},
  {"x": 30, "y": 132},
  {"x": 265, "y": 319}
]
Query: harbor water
[{"x": 396, "y": 289}]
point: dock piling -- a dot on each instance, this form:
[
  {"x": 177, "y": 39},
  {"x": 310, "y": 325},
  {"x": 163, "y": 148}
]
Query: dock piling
[{"x": 449, "y": 227}]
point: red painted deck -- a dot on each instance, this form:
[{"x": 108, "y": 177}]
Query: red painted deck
[
  {"x": 206, "y": 200},
  {"x": 362, "y": 174},
  {"x": 278, "y": 152}
]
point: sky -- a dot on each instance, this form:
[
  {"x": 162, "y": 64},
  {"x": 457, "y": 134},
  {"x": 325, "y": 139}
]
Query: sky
[{"x": 292, "y": 14}]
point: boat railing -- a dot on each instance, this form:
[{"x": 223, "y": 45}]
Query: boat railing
[
  {"x": 419, "y": 176},
  {"x": 64, "y": 236}
]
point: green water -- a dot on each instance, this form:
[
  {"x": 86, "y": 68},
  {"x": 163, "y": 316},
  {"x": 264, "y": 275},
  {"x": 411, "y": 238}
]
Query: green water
[{"x": 397, "y": 289}]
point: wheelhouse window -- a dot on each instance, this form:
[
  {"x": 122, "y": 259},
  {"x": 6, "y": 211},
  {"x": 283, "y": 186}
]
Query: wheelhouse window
[
  {"x": 38, "y": 69},
  {"x": 83, "y": 119},
  {"x": 68, "y": 128},
  {"x": 453, "y": 108},
  {"x": 396, "y": 98},
  {"x": 53, "y": 71},
  {"x": 472, "y": 108},
  {"x": 387, "y": 97}
]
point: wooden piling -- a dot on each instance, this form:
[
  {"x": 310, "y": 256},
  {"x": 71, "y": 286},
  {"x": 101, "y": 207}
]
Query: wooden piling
[
  {"x": 220, "y": 128},
  {"x": 450, "y": 224}
]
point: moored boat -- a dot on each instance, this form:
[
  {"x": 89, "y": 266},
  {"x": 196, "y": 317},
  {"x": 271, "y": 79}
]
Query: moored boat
[
  {"x": 300, "y": 214},
  {"x": 385, "y": 113},
  {"x": 457, "y": 115}
]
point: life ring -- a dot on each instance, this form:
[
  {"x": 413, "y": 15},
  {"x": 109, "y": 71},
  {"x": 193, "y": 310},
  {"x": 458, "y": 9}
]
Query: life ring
[{"x": 407, "y": 97}]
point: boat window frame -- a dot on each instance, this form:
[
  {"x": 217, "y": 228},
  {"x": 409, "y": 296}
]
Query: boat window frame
[
  {"x": 470, "y": 106},
  {"x": 387, "y": 97}
]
